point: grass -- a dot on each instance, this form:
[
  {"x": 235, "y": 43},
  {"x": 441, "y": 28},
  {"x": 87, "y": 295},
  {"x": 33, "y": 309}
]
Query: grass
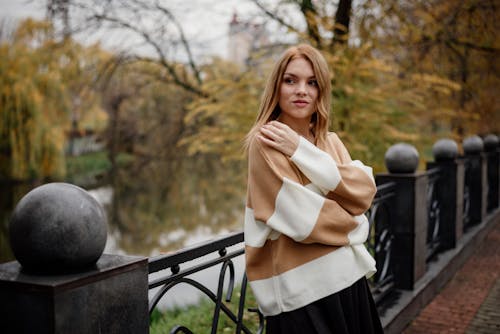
[
  {"x": 87, "y": 169},
  {"x": 198, "y": 318}
]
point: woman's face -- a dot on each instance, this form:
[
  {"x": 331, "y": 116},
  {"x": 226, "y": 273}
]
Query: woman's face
[{"x": 298, "y": 92}]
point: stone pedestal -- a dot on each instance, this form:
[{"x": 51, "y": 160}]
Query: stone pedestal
[
  {"x": 492, "y": 148},
  {"x": 111, "y": 297},
  {"x": 477, "y": 187},
  {"x": 450, "y": 194},
  {"x": 409, "y": 226}
]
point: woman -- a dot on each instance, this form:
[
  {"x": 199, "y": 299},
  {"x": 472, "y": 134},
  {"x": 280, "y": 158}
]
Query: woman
[{"x": 304, "y": 221}]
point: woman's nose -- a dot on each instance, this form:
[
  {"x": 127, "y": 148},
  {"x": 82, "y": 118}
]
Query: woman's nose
[{"x": 301, "y": 89}]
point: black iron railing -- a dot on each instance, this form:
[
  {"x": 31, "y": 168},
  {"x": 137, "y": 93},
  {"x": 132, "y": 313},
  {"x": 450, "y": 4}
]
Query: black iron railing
[
  {"x": 380, "y": 242},
  {"x": 466, "y": 198},
  {"x": 181, "y": 266},
  {"x": 434, "y": 214}
]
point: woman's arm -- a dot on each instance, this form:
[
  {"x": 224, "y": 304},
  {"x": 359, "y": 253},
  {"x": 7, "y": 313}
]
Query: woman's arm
[
  {"x": 348, "y": 182},
  {"x": 277, "y": 201}
]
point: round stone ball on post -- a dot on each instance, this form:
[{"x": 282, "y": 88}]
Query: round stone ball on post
[
  {"x": 491, "y": 143},
  {"x": 57, "y": 228},
  {"x": 401, "y": 158},
  {"x": 473, "y": 145},
  {"x": 445, "y": 150}
]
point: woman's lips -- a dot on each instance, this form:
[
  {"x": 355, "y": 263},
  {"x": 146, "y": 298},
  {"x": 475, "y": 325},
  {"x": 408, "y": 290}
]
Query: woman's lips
[{"x": 300, "y": 103}]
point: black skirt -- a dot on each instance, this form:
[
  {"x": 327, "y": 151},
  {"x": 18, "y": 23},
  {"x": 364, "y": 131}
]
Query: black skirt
[{"x": 350, "y": 311}]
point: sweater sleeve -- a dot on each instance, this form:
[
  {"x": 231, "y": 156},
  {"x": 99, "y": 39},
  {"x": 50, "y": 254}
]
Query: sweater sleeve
[
  {"x": 350, "y": 183},
  {"x": 278, "y": 203}
]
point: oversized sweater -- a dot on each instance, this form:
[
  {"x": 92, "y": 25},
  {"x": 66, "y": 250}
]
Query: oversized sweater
[{"x": 304, "y": 223}]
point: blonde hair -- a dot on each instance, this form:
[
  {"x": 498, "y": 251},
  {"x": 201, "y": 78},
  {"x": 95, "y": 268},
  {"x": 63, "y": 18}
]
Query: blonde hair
[{"x": 269, "y": 107}]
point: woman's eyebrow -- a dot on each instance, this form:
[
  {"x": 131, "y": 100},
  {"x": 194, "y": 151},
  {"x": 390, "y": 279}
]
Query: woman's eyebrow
[{"x": 294, "y": 75}]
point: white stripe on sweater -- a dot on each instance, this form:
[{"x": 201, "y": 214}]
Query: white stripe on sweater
[
  {"x": 317, "y": 165},
  {"x": 296, "y": 210},
  {"x": 360, "y": 233},
  {"x": 256, "y": 232},
  {"x": 367, "y": 169},
  {"x": 313, "y": 280}
]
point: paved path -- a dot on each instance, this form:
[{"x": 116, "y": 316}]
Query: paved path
[
  {"x": 470, "y": 302},
  {"x": 487, "y": 319}
]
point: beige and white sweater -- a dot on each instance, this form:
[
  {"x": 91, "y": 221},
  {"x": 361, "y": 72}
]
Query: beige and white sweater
[{"x": 305, "y": 224}]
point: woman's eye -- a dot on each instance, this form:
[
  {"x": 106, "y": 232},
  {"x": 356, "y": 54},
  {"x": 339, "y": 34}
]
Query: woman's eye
[
  {"x": 313, "y": 83},
  {"x": 289, "y": 80}
]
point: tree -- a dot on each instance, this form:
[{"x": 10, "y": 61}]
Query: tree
[
  {"x": 33, "y": 108},
  {"x": 452, "y": 39},
  {"x": 327, "y": 26},
  {"x": 37, "y": 76},
  {"x": 155, "y": 28}
]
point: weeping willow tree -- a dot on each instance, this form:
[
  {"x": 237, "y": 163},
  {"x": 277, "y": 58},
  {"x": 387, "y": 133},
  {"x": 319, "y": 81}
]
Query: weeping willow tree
[
  {"x": 42, "y": 85},
  {"x": 33, "y": 106}
]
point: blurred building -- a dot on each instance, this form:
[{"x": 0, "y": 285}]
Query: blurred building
[{"x": 245, "y": 38}]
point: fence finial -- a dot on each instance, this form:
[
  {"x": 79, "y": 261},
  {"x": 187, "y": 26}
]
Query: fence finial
[
  {"x": 401, "y": 158},
  {"x": 57, "y": 227},
  {"x": 473, "y": 145},
  {"x": 491, "y": 143},
  {"x": 445, "y": 149}
]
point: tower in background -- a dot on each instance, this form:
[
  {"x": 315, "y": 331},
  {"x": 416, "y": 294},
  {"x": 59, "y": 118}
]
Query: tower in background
[{"x": 244, "y": 38}]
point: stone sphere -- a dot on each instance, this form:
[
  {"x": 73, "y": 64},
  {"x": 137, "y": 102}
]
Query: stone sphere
[
  {"x": 57, "y": 228},
  {"x": 491, "y": 143},
  {"x": 401, "y": 158},
  {"x": 473, "y": 145},
  {"x": 445, "y": 149}
]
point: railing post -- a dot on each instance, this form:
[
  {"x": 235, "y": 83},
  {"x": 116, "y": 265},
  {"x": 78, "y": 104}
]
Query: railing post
[
  {"x": 62, "y": 282},
  {"x": 408, "y": 215},
  {"x": 476, "y": 178},
  {"x": 492, "y": 148},
  {"x": 450, "y": 191}
]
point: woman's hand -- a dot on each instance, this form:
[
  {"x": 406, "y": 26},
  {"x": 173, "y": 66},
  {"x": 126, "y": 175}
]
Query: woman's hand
[{"x": 280, "y": 137}]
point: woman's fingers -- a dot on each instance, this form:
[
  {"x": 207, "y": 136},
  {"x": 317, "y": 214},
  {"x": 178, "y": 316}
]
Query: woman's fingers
[
  {"x": 271, "y": 128},
  {"x": 280, "y": 137},
  {"x": 269, "y": 133},
  {"x": 278, "y": 125}
]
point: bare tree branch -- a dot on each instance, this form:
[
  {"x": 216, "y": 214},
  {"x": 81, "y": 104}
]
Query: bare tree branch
[
  {"x": 184, "y": 41},
  {"x": 274, "y": 16},
  {"x": 170, "y": 67},
  {"x": 128, "y": 15},
  {"x": 474, "y": 46}
]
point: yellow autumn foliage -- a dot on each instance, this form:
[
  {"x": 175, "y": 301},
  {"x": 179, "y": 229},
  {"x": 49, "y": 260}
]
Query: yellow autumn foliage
[{"x": 40, "y": 80}]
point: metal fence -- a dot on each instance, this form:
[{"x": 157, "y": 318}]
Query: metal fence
[
  {"x": 433, "y": 212},
  {"x": 467, "y": 222},
  {"x": 380, "y": 242},
  {"x": 174, "y": 269}
]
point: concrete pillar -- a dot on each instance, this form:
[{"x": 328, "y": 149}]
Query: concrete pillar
[
  {"x": 110, "y": 298},
  {"x": 492, "y": 148},
  {"x": 475, "y": 180},
  {"x": 450, "y": 191},
  {"x": 408, "y": 214},
  {"x": 61, "y": 281}
]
